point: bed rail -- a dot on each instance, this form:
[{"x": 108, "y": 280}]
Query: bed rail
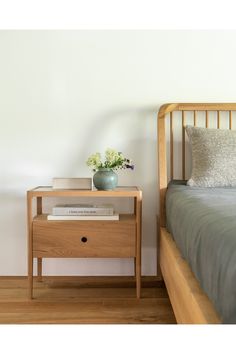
[{"x": 197, "y": 114}]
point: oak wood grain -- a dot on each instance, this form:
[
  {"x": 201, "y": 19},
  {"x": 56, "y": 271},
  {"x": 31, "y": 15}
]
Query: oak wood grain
[
  {"x": 107, "y": 300},
  {"x": 189, "y": 302},
  {"x": 65, "y": 239},
  {"x": 84, "y": 238}
]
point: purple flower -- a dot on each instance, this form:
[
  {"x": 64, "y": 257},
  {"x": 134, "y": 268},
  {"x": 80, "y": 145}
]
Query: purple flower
[{"x": 130, "y": 166}]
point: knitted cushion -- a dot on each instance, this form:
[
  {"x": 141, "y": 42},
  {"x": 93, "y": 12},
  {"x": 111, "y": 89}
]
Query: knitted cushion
[{"x": 213, "y": 157}]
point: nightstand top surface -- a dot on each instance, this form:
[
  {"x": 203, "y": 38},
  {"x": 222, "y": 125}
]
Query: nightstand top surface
[{"x": 121, "y": 191}]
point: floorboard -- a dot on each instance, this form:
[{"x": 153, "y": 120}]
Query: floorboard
[{"x": 84, "y": 300}]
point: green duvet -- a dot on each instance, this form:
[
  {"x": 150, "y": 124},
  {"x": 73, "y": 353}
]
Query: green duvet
[{"x": 202, "y": 222}]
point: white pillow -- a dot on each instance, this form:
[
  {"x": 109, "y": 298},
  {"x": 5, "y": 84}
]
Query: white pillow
[{"x": 213, "y": 157}]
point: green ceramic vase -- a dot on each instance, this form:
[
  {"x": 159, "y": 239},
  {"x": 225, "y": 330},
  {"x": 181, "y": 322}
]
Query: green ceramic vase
[{"x": 105, "y": 179}]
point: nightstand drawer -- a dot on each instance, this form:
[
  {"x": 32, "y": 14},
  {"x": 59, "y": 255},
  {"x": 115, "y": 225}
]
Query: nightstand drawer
[{"x": 84, "y": 238}]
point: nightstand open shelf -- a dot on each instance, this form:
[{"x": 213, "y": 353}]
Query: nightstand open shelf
[{"x": 83, "y": 238}]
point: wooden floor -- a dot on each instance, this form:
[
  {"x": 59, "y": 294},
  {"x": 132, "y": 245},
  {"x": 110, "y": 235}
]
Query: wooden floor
[{"x": 85, "y": 300}]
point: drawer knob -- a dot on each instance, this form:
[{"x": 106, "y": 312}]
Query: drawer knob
[{"x": 84, "y": 239}]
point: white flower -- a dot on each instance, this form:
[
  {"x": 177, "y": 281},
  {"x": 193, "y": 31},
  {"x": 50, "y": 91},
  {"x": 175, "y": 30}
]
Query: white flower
[
  {"x": 94, "y": 160},
  {"x": 112, "y": 155},
  {"x": 113, "y": 160}
]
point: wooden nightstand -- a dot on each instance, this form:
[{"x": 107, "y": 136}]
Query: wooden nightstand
[{"x": 72, "y": 239}]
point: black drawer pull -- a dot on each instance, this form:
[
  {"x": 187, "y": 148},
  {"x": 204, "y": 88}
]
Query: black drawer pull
[{"x": 84, "y": 239}]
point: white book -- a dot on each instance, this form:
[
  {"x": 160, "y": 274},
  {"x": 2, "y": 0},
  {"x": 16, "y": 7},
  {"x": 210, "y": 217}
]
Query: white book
[
  {"x": 83, "y": 209},
  {"x": 72, "y": 183},
  {"x": 83, "y": 217}
]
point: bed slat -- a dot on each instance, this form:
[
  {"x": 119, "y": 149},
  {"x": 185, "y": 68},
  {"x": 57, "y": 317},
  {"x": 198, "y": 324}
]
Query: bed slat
[
  {"x": 207, "y": 119},
  {"x": 171, "y": 147},
  {"x": 218, "y": 119},
  {"x": 195, "y": 119},
  {"x": 183, "y": 144},
  {"x": 230, "y": 119}
]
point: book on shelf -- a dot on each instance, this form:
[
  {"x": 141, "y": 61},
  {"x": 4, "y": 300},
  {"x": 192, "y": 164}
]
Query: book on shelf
[
  {"x": 72, "y": 183},
  {"x": 83, "y": 209},
  {"x": 83, "y": 217}
]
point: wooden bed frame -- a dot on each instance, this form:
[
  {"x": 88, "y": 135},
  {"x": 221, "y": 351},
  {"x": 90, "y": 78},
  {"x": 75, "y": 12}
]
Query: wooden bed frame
[{"x": 189, "y": 302}]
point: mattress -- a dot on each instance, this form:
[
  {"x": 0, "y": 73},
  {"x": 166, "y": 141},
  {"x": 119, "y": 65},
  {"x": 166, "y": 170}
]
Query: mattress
[{"x": 202, "y": 222}]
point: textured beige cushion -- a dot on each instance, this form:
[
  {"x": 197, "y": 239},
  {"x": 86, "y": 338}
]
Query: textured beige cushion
[{"x": 213, "y": 157}]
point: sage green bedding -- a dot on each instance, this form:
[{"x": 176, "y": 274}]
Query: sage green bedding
[{"x": 202, "y": 222}]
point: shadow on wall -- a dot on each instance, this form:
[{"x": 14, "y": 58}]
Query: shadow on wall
[{"x": 132, "y": 131}]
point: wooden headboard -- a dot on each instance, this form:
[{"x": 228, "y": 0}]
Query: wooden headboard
[{"x": 197, "y": 114}]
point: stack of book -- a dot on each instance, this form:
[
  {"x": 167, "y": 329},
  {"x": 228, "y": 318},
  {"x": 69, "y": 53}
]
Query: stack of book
[
  {"x": 83, "y": 212},
  {"x": 72, "y": 183}
]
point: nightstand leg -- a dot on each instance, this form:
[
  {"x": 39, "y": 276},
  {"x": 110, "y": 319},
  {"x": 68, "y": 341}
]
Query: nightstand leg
[
  {"x": 39, "y": 268},
  {"x": 138, "y": 249},
  {"x": 135, "y": 267},
  {"x": 138, "y": 280},
  {"x": 30, "y": 246},
  {"x": 30, "y": 287},
  {"x": 30, "y": 273}
]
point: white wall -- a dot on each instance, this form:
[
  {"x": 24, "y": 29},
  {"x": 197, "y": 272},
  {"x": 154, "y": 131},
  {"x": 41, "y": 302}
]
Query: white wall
[{"x": 67, "y": 94}]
